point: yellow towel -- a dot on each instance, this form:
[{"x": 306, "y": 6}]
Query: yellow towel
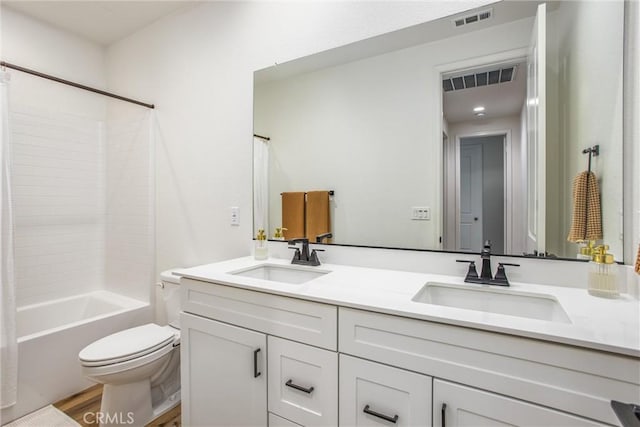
[
  {"x": 586, "y": 221},
  {"x": 293, "y": 214},
  {"x": 637, "y": 266},
  {"x": 318, "y": 218}
]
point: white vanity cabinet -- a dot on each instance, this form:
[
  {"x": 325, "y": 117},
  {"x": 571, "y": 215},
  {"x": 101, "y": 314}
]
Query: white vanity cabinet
[
  {"x": 570, "y": 379},
  {"x": 242, "y": 348},
  {"x": 223, "y": 370},
  {"x": 328, "y": 365}
]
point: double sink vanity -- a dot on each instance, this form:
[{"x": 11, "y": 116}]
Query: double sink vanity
[{"x": 271, "y": 343}]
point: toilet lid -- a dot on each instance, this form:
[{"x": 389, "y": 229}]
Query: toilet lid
[{"x": 126, "y": 345}]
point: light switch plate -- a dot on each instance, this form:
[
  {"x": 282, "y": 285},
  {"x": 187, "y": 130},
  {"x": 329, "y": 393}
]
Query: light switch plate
[{"x": 235, "y": 215}]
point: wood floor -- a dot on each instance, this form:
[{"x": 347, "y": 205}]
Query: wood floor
[{"x": 82, "y": 407}]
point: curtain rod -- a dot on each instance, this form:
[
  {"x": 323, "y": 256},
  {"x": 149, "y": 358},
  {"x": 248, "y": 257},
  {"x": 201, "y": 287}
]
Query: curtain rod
[
  {"x": 266, "y": 138},
  {"x": 70, "y": 83}
]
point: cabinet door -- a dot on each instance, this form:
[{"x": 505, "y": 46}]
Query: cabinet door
[
  {"x": 223, "y": 372},
  {"x": 372, "y": 394},
  {"x": 466, "y": 406},
  {"x": 303, "y": 383}
]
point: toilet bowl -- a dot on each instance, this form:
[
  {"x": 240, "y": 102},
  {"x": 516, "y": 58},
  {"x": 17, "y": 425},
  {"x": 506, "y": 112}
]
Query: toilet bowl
[{"x": 139, "y": 367}]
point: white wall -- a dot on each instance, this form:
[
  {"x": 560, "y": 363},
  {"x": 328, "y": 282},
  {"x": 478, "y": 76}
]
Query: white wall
[
  {"x": 197, "y": 67},
  {"x": 33, "y": 44},
  {"x": 587, "y": 67}
]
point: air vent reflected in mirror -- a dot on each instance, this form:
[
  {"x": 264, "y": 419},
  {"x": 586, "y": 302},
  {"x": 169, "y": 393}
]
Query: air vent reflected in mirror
[{"x": 484, "y": 78}]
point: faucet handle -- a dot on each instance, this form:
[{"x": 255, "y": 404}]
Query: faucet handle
[
  {"x": 296, "y": 255},
  {"x": 472, "y": 273},
  {"x": 501, "y": 275},
  {"x": 313, "y": 258}
]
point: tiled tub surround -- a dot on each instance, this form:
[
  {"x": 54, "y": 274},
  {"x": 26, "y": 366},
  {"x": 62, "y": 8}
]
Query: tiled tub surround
[{"x": 367, "y": 314}]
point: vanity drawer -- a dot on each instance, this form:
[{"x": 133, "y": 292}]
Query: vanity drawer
[
  {"x": 304, "y": 321},
  {"x": 372, "y": 394},
  {"x": 581, "y": 381},
  {"x": 302, "y": 383},
  {"x": 277, "y": 421}
]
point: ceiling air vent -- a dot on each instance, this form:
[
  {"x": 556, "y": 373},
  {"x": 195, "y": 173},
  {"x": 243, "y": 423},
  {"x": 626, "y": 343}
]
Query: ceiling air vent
[
  {"x": 484, "y": 78},
  {"x": 470, "y": 19}
]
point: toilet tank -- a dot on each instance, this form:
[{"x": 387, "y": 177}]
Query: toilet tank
[{"x": 168, "y": 299}]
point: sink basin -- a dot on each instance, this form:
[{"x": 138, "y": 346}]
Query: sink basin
[
  {"x": 499, "y": 301},
  {"x": 281, "y": 273}
]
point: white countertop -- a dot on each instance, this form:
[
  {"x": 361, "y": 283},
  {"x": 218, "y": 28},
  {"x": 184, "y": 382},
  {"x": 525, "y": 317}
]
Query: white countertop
[{"x": 611, "y": 325}]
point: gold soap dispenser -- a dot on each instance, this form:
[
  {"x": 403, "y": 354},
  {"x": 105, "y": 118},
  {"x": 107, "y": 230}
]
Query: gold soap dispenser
[
  {"x": 603, "y": 273},
  {"x": 279, "y": 233},
  {"x": 586, "y": 251},
  {"x": 261, "y": 250}
]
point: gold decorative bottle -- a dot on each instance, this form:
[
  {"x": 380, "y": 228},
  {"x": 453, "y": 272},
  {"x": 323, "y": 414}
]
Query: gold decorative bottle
[
  {"x": 603, "y": 273},
  {"x": 261, "y": 249}
]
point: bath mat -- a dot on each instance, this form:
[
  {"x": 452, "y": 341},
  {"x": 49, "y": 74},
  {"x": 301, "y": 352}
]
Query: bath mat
[{"x": 48, "y": 416}]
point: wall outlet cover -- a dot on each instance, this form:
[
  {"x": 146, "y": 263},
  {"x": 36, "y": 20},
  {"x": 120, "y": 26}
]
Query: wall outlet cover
[{"x": 421, "y": 213}]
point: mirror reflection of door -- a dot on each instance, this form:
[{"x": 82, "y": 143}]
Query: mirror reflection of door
[
  {"x": 470, "y": 196},
  {"x": 482, "y": 201}
]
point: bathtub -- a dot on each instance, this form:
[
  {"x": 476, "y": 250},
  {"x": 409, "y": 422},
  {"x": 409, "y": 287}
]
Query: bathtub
[{"x": 50, "y": 336}]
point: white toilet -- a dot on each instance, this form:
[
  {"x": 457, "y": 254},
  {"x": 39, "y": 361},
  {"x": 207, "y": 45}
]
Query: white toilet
[{"x": 139, "y": 367}]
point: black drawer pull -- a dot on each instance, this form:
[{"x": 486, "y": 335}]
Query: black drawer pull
[
  {"x": 393, "y": 419},
  {"x": 256, "y": 374},
  {"x": 299, "y": 387},
  {"x": 444, "y": 413}
]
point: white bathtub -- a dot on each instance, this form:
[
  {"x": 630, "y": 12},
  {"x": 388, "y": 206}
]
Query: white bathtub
[{"x": 50, "y": 336}]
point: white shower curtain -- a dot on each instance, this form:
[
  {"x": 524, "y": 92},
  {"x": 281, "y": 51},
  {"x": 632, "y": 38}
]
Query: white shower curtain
[
  {"x": 8, "y": 343},
  {"x": 260, "y": 185}
]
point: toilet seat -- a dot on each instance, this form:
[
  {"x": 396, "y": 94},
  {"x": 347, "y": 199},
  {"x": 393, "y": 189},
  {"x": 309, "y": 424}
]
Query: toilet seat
[{"x": 127, "y": 345}]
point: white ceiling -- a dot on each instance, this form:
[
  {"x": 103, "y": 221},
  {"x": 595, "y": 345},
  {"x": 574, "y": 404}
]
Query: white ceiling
[
  {"x": 499, "y": 100},
  {"x": 103, "y": 22}
]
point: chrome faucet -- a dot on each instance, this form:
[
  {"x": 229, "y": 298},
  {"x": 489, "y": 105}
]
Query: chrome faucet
[
  {"x": 486, "y": 277},
  {"x": 302, "y": 256}
]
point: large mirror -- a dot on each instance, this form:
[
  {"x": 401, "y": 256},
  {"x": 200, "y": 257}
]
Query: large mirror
[{"x": 455, "y": 131}]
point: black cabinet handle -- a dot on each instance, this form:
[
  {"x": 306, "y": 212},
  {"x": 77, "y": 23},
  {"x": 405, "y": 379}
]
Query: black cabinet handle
[
  {"x": 299, "y": 387},
  {"x": 444, "y": 413},
  {"x": 256, "y": 374},
  {"x": 393, "y": 419}
]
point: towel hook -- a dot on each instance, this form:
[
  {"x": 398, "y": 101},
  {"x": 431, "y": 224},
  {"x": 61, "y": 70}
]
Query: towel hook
[{"x": 592, "y": 151}]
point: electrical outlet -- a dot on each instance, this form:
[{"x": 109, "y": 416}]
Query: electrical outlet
[
  {"x": 235, "y": 215},
  {"x": 421, "y": 213}
]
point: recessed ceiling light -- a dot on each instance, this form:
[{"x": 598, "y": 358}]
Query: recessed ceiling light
[
  {"x": 479, "y": 114},
  {"x": 478, "y": 109}
]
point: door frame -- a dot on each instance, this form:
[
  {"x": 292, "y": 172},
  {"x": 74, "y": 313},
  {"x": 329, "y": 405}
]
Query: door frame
[
  {"x": 507, "y": 205},
  {"x": 450, "y": 180}
]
